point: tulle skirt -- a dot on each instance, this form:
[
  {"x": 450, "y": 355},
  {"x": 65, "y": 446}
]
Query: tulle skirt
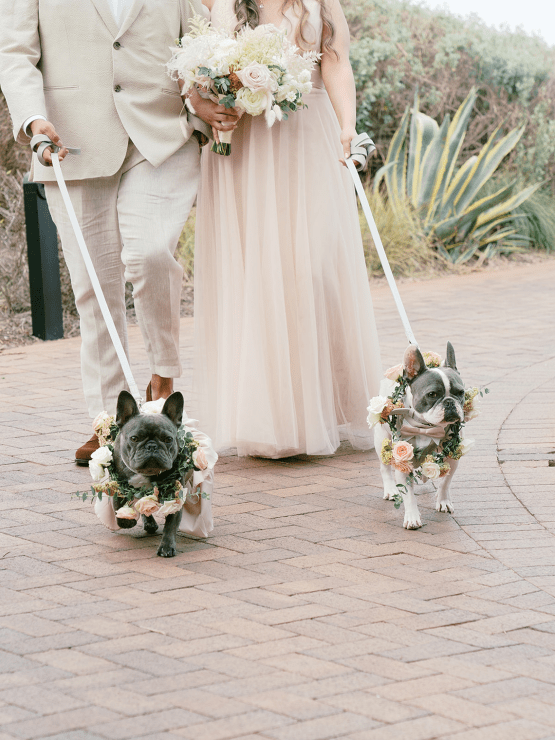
[{"x": 286, "y": 347}]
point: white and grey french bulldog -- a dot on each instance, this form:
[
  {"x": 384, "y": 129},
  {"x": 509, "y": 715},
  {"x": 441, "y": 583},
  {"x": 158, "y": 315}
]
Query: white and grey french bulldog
[
  {"x": 145, "y": 447},
  {"x": 435, "y": 400}
]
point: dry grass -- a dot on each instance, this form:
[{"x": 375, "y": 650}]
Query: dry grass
[{"x": 408, "y": 250}]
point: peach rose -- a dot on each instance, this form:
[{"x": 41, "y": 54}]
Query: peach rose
[
  {"x": 403, "y": 467},
  {"x": 395, "y": 372},
  {"x": 199, "y": 459},
  {"x": 147, "y": 505},
  {"x": 403, "y": 451},
  {"x": 127, "y": 512}
]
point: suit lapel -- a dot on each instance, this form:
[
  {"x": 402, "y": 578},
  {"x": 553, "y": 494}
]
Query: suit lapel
[
  {"x": 104, "y": 11},
  {"x": 131, "y": 16}
]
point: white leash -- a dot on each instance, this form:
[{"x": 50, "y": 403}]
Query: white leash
[
  {"x": 361, "y": 147},
  {"x": 93, "y": 276}
]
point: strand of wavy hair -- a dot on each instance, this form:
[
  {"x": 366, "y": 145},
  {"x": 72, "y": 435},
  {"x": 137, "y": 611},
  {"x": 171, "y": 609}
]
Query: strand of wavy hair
[{"x": 248, "y": 14}]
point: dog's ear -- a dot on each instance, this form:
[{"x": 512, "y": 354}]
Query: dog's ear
[
  {"x": 127, "y": 408},
  {"x": 413, "y": 362},
  {"x": 450, "y": 357},
  {"x": 173, "y": 408}
]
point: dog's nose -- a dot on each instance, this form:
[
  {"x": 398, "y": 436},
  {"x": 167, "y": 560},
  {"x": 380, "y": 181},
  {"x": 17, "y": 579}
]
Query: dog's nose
[{"x": 151, "y": 446}]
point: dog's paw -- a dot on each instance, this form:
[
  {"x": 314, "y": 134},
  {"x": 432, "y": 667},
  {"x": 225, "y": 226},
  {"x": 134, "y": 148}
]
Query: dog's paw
[
  {"x": 412, "y": 520},
  {"x": 150, "y": 524},
  {"x": 167, "y": 550},
  {"x": 389, "y": 493},
  {"x": 126, "y": 523},
  {"x": 445, "y": 507}
]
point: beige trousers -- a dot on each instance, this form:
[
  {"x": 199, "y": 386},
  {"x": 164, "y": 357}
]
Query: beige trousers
[{"x": 131, "y": 224}]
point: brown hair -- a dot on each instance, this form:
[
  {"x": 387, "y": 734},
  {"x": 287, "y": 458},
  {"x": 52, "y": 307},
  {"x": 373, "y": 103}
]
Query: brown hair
[{"x": 248, "y": 14}]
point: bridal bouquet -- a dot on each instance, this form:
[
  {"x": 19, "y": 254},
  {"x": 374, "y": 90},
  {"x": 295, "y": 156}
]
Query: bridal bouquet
[{"x": 257, "y": 70}]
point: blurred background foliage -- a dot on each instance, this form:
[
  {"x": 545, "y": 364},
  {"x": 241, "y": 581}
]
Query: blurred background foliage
[{"x": 398, "y": 48}]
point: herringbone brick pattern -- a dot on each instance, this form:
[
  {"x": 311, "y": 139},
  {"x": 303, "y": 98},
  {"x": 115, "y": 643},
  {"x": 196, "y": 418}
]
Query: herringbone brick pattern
[{"x": 310, "y": 613}]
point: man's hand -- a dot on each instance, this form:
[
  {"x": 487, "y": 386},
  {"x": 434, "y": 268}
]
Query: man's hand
[
  {"x": 45, "y": 127},
  {"x": 217, "y": 116}
]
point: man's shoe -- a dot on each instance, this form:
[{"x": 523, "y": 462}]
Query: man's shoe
[{"x": 83, "y": 454}]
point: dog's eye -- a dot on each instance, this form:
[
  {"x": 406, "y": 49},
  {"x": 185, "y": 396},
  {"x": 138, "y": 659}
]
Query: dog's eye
[
  {"x": 168, "y": 439},
  {"x": 432, "y": 394},
  {"x": 133, "y": 439}
]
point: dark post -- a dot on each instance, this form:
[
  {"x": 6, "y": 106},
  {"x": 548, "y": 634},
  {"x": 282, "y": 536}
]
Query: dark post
[{"x": 44, "y": 265}]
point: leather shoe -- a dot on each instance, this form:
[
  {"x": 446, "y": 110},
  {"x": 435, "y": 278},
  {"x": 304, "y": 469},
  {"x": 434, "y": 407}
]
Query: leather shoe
[{"x": 83, "y": 454}]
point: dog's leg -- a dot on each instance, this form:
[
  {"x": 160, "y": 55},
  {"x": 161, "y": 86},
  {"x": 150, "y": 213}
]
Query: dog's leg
[
  {"x": 412, "y": 515},
  {"x": 388, "y": 479},
  {"x": 150, "y": 524},
  {"x": 389, "y": 488},
  {"x": 168, "y": 545},
  {"x": 443, "y": 500}
]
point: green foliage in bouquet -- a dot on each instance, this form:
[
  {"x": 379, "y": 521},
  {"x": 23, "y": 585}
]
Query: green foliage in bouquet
[{"x": 422, "y": 168}]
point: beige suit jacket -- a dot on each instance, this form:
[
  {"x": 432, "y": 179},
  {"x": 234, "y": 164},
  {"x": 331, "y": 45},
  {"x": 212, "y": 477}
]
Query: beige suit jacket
[{"x": 99, "y": 85}]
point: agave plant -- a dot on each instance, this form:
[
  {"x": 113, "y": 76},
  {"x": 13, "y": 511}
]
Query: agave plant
[{"x": 448, "y": 199}]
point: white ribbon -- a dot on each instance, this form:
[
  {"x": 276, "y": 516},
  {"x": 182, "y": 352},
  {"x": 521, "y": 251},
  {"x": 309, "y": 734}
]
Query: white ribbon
[{"x": 376, "y": 236}]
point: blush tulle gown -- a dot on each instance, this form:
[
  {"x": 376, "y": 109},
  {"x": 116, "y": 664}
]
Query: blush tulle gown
[{"x": 286, "y": 347}]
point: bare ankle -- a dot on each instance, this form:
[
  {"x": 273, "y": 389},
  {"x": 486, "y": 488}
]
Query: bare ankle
[{"x": 161, "y": 387}]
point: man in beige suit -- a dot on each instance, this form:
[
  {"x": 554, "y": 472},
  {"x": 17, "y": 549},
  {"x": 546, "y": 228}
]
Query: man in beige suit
[{"x": 90, "y": 74}]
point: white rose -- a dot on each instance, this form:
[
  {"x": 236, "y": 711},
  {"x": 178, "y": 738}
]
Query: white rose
[
  {"x": 253, "y": 102},
  {"x": 373, "y": 419},
  {"x": 377, "y": 404},
  {"x": 466, "y": 445},
  {"x": 96, "y": 470},
  {"x": 257, "y": 76},
  {"x": 153, "y": 407},
  {"x": 170, "y": 507},
  {"x": 127, "y": 512},
  {"x": 431, "y": 470},
  {"x": 103, "y": 456}
]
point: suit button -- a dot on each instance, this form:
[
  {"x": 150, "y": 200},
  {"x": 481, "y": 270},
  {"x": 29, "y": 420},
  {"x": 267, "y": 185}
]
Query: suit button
[
  {"x": 117, "y": 45},
  {"x": 117, "y": 88}
]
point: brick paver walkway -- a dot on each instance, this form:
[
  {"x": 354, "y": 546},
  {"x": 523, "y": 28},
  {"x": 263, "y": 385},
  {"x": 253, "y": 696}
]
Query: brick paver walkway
[{"x": 310, "y": 613}]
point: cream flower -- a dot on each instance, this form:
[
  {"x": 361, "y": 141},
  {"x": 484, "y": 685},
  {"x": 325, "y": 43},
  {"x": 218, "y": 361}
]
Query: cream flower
[
  {"x": 431, "y": 470},
  {"x": 474, "y": 410},
  {"x": 466, "y": 445},
  {"x": 103, "y": 455},
  {"x": 253, "y": 102},
  {"x": 170, "y": 507},
  {"x": 377, "y": 405},
  {"x": 257, "y": 76},
  {"x": 432, "y": 359},
  {"x": 97, "y": 471},
  {"x": 403, "y": 451},
  {"x": 127, "y": 512},
  {"x": 101, "y": 420},
  {"x": 199, "y": 459},
  {"x": 153, "y": 407},
  {"x": 395, "y": 372},
  {"x": 147, "y": 505}
]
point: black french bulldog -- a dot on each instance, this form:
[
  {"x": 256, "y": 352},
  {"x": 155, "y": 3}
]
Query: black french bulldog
[{"x": 145, "y": 447}]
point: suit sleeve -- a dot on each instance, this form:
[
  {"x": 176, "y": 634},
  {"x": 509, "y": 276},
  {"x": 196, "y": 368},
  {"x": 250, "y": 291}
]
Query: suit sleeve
[{"x": 20, "y": 52}]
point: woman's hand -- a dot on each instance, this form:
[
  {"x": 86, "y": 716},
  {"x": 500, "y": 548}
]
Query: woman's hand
[
  {"x": 347, "y": 135},
  {"x": 45, "y": 127}
]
